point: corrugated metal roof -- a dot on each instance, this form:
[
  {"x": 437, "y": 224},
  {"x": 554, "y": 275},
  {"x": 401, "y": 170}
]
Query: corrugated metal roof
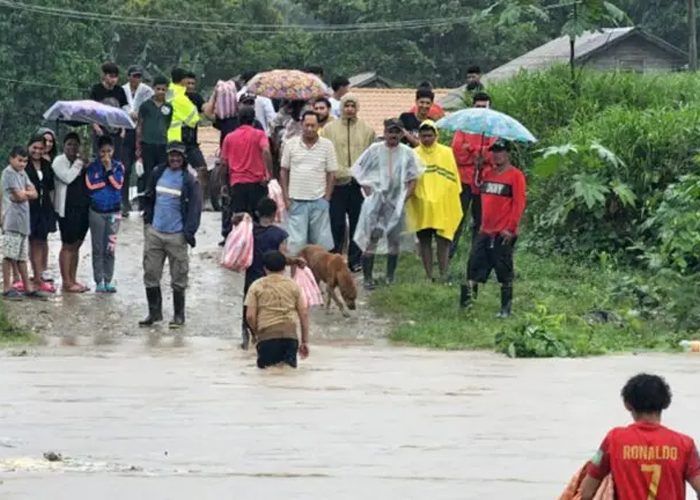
[
  {"x": 361, "y": 78},
  {"x": 557, "y": 51}
]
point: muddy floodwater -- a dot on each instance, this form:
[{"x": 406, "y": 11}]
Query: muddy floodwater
[{"x": 145, "y": 415}]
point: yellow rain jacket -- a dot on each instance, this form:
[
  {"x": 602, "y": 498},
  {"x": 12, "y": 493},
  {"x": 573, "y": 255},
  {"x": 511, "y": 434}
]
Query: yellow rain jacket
[
  {"x": 185, "y": 113},
  {"x": 435, "y": 203}
]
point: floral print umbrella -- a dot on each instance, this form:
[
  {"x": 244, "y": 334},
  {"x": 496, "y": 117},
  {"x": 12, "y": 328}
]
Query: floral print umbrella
[{"x": 288, "y": 84}]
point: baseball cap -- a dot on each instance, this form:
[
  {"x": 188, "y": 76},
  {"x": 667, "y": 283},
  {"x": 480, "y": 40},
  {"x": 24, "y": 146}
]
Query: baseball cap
[
  {"x": 176, "y": 147},
  {"x": 393, "y": 123},
  {"x": 135, "y": 69},
  {"x": 500, "y": 145}
]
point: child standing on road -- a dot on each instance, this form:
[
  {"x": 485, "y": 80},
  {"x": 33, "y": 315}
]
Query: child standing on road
[
  {"x": 104, "y": 179},
  {"x": 17, "y": 190}
]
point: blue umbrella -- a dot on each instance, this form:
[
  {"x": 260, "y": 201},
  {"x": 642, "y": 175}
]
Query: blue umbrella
[
  {"x": 86, "y": 112},
  {"x": 488, "y": 123}
]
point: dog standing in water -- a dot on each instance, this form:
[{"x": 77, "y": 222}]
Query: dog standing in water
[{"x": 332, "y": 270}]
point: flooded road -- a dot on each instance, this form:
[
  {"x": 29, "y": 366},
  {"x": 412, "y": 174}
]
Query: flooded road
[
  {"x": 214, "y": 299},
  {"x": 196, "y": 419}
]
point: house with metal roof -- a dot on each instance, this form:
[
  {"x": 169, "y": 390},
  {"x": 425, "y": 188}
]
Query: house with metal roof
[{"x": 610, "y": 49}]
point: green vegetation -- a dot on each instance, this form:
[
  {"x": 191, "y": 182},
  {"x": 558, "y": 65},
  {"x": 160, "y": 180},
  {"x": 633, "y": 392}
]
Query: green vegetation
[
  {"x": 609, "y": 256},
  {"x": 9, "y": 332},
  {"x": 53, "y": 49},
  {"x": 561, "y": 308}
]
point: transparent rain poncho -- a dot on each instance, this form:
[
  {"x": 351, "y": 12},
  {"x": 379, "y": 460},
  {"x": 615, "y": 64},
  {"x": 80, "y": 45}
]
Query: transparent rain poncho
[{"x": 386, "y": 172}]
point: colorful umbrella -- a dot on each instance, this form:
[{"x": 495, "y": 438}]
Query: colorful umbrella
[
  {"x": 86, "y": 112},
  {"x": 288, "y": 84},
  {"x": 488, "y": 123}
]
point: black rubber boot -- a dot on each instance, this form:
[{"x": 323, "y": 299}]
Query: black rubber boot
[
  {"x": 368, "y": 271},
  {"x": 465, "y": 297},
  {"x": 506, "y": 300},
  {"x": 179, "y": 307},
  {"x": 155, "y": 307},
  {"x": 391, "y": 262}
]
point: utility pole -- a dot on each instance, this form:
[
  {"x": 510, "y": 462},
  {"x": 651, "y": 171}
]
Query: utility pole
[{"x": 693, "y": 41}]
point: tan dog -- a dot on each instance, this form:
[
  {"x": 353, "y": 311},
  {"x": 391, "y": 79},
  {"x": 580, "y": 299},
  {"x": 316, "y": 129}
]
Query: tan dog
[{"x": 332, "y": 270}]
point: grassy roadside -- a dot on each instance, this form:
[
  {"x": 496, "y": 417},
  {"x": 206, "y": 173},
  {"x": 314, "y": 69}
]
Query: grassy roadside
[
  {"x": 10, "y": 333},
  {"x": 554, "y": 306}
]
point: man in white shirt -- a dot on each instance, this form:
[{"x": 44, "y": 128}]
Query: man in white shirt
[
  {"x": 340, "y": 86},
  {"x": 307, "y": 176},
  {"x": 137, "y": 93},
  {"x": 264, "y": 109}
]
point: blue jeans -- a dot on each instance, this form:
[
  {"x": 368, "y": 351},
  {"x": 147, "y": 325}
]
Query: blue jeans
[{"x": 309, "y": 223}]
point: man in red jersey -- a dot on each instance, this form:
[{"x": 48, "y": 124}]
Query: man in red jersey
[
  {"x": 647, "y": 460},
  {"x": 502, "y": 206}
]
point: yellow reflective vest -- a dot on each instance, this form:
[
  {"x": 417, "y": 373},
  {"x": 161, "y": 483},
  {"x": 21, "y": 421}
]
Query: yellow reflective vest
[{"x": 185, "y": 113}]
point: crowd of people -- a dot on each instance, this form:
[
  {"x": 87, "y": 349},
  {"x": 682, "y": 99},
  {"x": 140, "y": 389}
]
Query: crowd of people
[{"x": 341, "y": 188}]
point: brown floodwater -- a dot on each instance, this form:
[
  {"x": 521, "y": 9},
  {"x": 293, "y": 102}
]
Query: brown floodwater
[{"x": 144, "y": 415}]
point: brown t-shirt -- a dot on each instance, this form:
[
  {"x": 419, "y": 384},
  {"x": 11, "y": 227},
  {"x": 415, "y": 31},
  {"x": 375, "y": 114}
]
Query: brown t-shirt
[{"x": 276, "y": 299}]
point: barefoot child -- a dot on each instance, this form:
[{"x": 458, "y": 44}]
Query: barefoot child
[
  {"x": 273, "y": 304},
  {"x": 17, "y": 190}
]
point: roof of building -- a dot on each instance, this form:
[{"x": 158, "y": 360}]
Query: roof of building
[
  {"x": 362, "y": 79},
  {"x": 376, "y": 105},
  {"x": 555, "y": 51}
]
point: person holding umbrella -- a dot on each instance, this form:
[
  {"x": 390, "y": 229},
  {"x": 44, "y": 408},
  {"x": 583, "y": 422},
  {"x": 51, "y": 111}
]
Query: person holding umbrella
[
  {"x": 471, "y": 150},
  {"x": 503, "y": 203},
  {"x": 72, "y": 207}
]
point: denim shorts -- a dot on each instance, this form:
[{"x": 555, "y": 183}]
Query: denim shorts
[{"x": 309, "y": 223}]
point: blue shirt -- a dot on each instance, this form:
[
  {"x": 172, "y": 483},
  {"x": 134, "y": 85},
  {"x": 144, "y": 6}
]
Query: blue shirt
[
  {"x": 167, "y": 216},
  {"x": 265, "y": 239},
  {"x": 105, "y": 187}
]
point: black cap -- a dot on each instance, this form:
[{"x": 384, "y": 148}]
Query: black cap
[
  {"x": 500, "y": 145},
  {"x": 248, "y": 96},
  {"x": 176, "y": 147},
  {"x": 393, "y": 123},
  {"x": 135, "y": 69}
]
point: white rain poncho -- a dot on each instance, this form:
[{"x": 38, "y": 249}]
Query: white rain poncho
[{"x": 386, "y": 172}]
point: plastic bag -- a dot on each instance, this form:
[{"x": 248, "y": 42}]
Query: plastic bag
[
  {"x": 274, "y": 191},
  {"x": 237, "y": 254},
  {"x": 138, "y": 168},
  {"x": 226, "y": 96},
  {"x": 307, "y": 282}
]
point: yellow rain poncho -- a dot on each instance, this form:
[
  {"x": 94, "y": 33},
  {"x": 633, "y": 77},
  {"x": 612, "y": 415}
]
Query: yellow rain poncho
[{"x": 435, "y": 203}]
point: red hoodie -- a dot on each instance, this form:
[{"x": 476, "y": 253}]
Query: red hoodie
[
  {"x": 465, "y": 148},
  {"x": 502, "y": 201}
]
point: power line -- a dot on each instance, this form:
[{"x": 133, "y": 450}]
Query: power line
[
  {"x": 41, "y": 84},
  {"x": 217, "y": 26}
]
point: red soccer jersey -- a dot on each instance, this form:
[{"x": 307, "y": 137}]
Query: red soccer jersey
[
  {"x": 502, "y": 201},
  {"x": 647, "y": 461}
]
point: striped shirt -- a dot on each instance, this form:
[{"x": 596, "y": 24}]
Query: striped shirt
[{"x": 308, "y": 167}]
